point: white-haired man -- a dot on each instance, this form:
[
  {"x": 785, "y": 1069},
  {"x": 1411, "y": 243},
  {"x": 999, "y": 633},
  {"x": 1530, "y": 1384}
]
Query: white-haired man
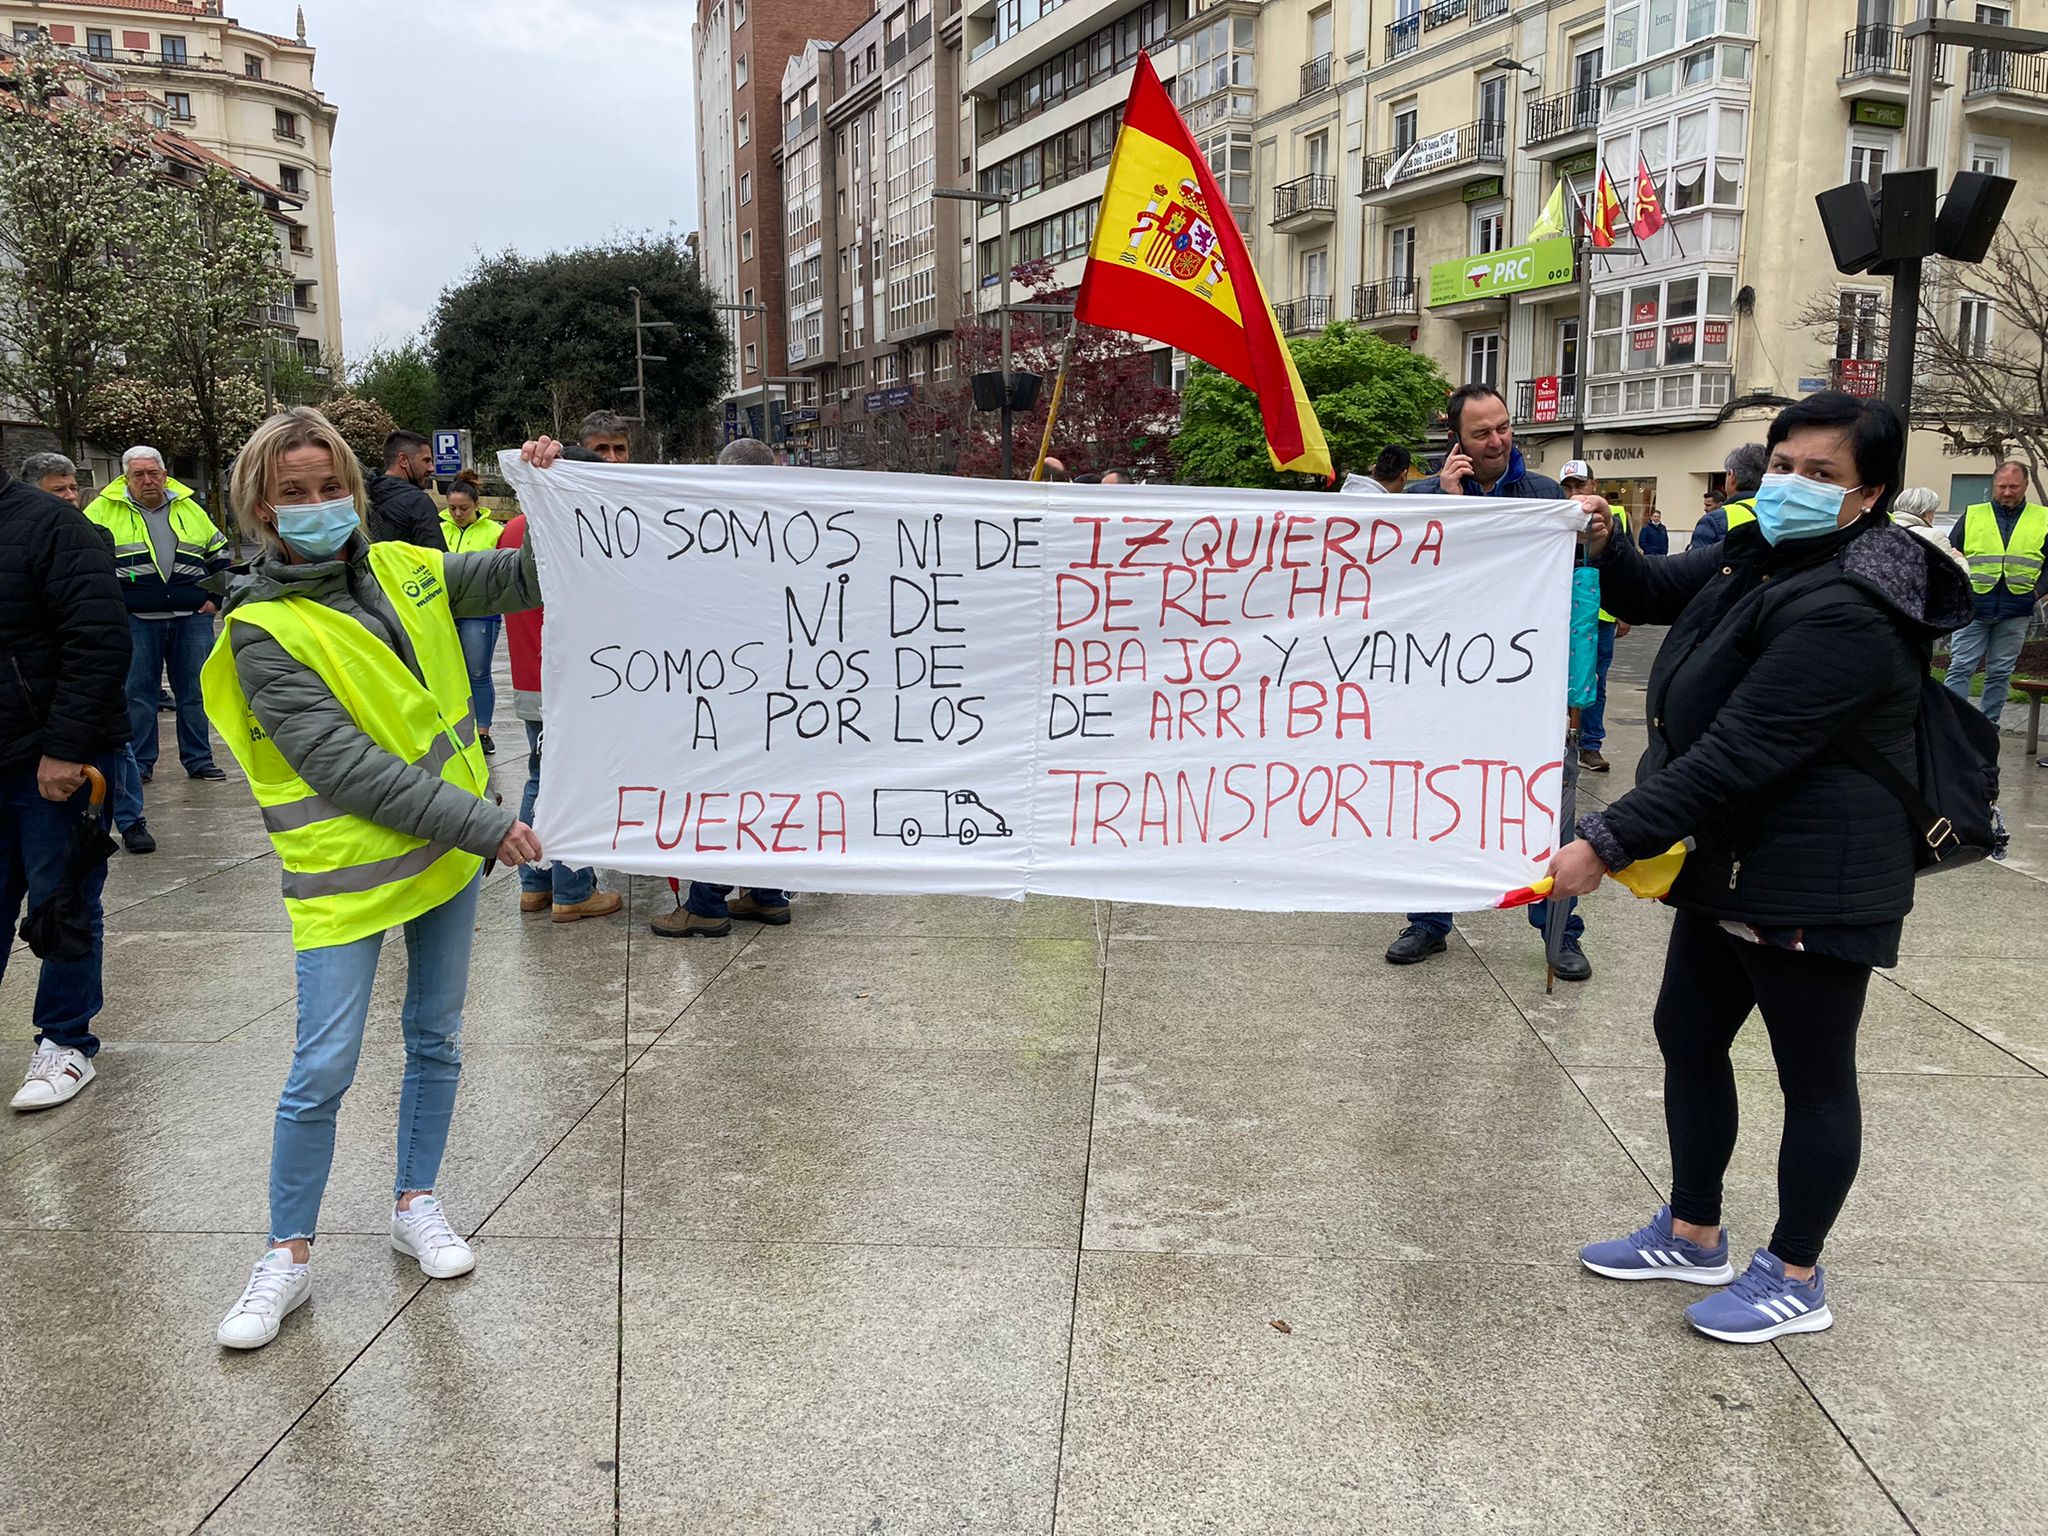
[{"x": 172, "y": 563}]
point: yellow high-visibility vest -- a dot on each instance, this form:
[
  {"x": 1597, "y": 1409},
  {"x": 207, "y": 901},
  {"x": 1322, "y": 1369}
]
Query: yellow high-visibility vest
[
  {"x": 1740, "y": 512},
  {"x": 481, "y": 534},
  {"x": 1992, "y": 560},
  {"x": 346, "y": 878},
  {"x": 197, "y": 539},
  {"x": 1620, "y": 515}
]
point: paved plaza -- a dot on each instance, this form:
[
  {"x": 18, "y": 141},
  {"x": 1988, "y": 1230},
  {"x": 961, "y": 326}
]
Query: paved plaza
[{"x": 942, "y": 1215}]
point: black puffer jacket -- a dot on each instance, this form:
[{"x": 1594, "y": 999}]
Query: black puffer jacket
[
  {"x": 63, "y": 633},
  {"x": 402, "y": 513},
  {"x": 1774, "y": 655}
]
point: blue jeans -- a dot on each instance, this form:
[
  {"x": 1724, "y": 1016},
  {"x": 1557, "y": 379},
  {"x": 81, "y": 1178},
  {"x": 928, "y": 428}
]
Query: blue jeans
[
  {"x": 566, "y": 886},
  {"x": 34, "y": 834},
  {"x": 479, "y": 644},
  {"x": 124, "y": 788},
  {"x": 334, "y": 1002},
  {"x": 1993, "y": 645},
  {"x": 1439, "y": 923},
  {"x": 180, "y": 645},
  {"x": 1593, "y": 718},
  {"x": 709, "y": 900}
]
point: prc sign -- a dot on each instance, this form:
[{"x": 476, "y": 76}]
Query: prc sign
[
  {"x": 1544, "y": 264},
  {"x": 449, "y": 459}
]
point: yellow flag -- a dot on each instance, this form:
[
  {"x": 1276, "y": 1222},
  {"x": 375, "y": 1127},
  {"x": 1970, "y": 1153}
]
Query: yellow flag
[{"x": 1551, "y": 222}]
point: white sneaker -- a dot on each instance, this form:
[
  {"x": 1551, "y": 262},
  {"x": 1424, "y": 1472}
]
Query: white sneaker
[
  {"x": 277, "y": 1287},
  {"x": 424, "y": 1233},
  {"x": 55, "y": 1074}
]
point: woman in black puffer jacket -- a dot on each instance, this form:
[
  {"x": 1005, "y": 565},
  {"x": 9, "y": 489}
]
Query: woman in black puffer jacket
[{"x": 1807, "y": 626}]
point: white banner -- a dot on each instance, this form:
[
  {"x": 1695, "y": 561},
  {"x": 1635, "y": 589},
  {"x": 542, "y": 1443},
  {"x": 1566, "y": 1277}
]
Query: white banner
[{"x": 825, "y": 680}]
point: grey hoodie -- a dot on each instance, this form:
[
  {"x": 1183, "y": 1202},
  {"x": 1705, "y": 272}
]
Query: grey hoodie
[{"x": 317, "y": 735}]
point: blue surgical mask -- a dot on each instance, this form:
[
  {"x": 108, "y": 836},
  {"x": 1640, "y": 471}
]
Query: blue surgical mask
[
  {"x": 1794, "y": 507},
  {"x": 319, "y": 529}
]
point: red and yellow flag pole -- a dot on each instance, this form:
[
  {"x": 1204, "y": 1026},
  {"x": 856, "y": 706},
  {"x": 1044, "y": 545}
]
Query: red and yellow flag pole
[{"x": 1052, "y": 410}]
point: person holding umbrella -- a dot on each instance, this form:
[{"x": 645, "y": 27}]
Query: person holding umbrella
[
  {"x": 338, "y": 683},
  {"x": 63, "y": 709}
]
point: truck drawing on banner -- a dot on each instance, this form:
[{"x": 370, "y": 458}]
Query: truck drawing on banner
[{"x": 916, "y": 814}]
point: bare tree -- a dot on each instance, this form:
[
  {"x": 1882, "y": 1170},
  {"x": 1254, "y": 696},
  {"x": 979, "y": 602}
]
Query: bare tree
[{"x": 1980, "y": 367}]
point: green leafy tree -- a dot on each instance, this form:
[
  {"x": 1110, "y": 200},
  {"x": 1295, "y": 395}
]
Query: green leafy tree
[
  {"x": 122, "y": 411},
  {"x": 1366, "y": 393},
  {"x": 402, "y": 380},
  {"x": 74, "y": 190},
  {"x": 208, "y": 256},
  {"x": 525, "y": 345}
]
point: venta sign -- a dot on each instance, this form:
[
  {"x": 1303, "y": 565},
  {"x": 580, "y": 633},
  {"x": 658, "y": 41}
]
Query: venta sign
[{"x": 1517, "y": 269}]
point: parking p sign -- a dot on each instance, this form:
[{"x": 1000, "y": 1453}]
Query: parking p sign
[{"x": 448, "y": 454}]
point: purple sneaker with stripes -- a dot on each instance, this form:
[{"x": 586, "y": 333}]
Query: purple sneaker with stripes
[
  {"x": 1765, "y": 1304},
  {"x": 1656, "y": 1252}
]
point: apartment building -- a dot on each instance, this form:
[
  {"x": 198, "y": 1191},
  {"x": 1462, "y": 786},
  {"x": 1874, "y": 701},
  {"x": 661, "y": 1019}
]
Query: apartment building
[
  {"x": 869, "y": 128},
  {"x": 245, "y": 95},
  {"x": 1043, "y": 86},
  {"x": 1741, "y": 112},
  {"x": 739, "y": 49}
]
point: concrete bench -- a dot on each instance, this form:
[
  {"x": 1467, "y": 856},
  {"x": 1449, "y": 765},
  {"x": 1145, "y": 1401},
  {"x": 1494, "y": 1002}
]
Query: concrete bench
[{"x": 2033, "y": 688}]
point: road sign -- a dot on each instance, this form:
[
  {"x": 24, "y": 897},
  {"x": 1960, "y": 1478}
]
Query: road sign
[{"x": 449, "y": 459}]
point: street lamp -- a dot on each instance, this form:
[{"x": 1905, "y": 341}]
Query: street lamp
[
  {"x": 767, "y": 424},
  {"x": 1001, "y": 201}
]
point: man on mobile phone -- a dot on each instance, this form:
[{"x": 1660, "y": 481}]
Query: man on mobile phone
[{"x": 1484, "y": 461}]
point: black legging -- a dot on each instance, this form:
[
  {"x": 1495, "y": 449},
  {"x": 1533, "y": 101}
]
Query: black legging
[{"x": 1811, "y": 1005}]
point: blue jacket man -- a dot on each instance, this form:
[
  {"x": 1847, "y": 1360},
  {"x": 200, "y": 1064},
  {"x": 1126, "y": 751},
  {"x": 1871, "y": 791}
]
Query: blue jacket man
[{"x": 1484, "y": 461}]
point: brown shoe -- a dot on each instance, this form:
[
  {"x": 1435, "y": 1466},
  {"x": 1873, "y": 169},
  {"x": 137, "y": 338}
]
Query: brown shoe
[
  {"x": 1593, "y": 762},
  {"x": 685, "y": 924},
  {"x": 600, "y": 904},
  {"x": 535, "y": 901},
  {"x": 744, "y": 905}
]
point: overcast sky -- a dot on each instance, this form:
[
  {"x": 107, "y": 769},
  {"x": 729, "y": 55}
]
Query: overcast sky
[{"x": 469, "y": 126}]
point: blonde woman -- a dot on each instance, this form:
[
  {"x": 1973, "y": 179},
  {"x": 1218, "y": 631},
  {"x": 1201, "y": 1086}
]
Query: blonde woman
[{"x": 338, "y": 683}]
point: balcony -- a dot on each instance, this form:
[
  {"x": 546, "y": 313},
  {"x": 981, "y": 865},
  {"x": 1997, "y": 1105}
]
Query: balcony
[
  {"x": 1546, "y": 407},
  {"x": 1404, "y": 36},
  {"x": 1391, "y": 300},
  {"x": 1301, "y": 317},
  {"x": 1433, "y": 164},
  {"x": 288, "y": 135},
  {"x": 2007, "y": 86},
  {"x": 1690, "y": 392},
  {"x": 1562, "y": 124},
  {"x": 1317, "y": 75},
  {"x": 281, "y": 315},
  {"x": 1304, "y": 203},
  {"x": 1876, "y": 63}
]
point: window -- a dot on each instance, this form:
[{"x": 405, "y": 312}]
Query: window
[
  {"x": 1315, "y": 274},
  {"x": 1856, "y": 320},
  {"x": 1404, "y": 126},
  {"x": 171, "y": 48},
  {"x": 252, "y": 66},
  {"x": 302, "y": 295},
  {"x": 1482, "y": 358},
  {"x": 179, "y": 105},
  {"x": 745, "y": 133},
  {"x": 750, "y": 357},
  {"x": 1568, "y": 347},
  {"x": 1401, "y": 255},
  {"x": 746, "y": 188},
  {"x": 739, "y": 14},
  {"x": 288, "y": 179},
  {"x": 739, "y": 71},
  {"x": 1321, "y": 34},
  {"x": 1489, "y": 227},
  {"x": 1870, "y": 154},
  {"x": 25, "y": 31},
  {"x": 99, "y": 45},
  {"x": 1493, "y": 100},
  {"x": 746, "y": 245},
  {"x": 287, "y": 124},
  {"x": 1973, "y": 327},
  {"x": 1990, "y": 157}
]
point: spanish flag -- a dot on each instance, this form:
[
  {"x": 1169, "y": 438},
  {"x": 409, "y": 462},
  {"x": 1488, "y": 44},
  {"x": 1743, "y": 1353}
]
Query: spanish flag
[
  {"x": 1169, "y": 264},
  {"x": 1608, "y": 218}
]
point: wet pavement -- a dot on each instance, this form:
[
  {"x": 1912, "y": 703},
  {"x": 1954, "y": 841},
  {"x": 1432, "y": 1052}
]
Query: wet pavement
[{"x": 960, "y": 1216}]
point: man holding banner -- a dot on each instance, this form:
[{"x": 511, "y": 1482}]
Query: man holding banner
[{"x": 1484, "y": 461}]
